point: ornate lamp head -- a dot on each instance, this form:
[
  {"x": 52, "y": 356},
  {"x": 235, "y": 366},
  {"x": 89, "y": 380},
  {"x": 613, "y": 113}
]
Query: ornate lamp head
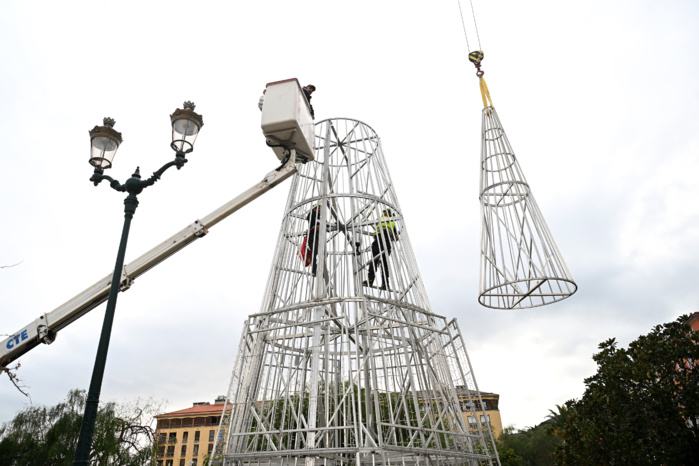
[
  {"x": 185, "y": 128},
  {"x": 104, "y": 142}
]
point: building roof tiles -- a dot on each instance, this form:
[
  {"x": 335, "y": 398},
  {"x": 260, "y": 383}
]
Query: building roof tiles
[{"x": 199, "y": 410}]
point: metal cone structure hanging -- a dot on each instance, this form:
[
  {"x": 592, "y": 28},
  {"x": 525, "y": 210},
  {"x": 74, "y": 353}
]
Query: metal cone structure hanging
[
  {"x": 346, "y": 363},
  {"x": 521, "y": 266}
]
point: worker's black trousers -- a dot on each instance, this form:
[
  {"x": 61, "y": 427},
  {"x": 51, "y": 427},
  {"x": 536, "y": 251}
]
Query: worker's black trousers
[
  {"x": 312, "y": 246},
  {"x": 380, "y": 250}
]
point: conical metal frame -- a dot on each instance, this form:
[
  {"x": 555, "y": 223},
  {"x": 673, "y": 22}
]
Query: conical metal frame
[
  {"x": 521, "y": 266},
  {"x": 332, "y": 371}
]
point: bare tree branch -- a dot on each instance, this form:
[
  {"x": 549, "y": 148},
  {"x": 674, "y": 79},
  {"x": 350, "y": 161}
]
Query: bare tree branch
[
  {"x": 16, "y": 381},
  {"x": 8, "y": 266}
]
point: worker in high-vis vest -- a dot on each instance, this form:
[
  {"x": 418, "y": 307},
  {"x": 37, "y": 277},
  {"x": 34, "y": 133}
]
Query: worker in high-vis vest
[{"x": 384, "y": 235}]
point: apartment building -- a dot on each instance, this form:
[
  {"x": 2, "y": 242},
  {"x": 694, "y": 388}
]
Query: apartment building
[
  {"x": 489, "y": 416},
  {"x": 186, "y": 437}
]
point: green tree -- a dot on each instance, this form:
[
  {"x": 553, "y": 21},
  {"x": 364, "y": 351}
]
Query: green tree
[
  {"x": 508, "y": 457},
  {"x": 642, "y": 405},
  {"x": 556, "y": 420},
  {"x": 47, "y": 436},
  {"x": 532, "y": 446}
]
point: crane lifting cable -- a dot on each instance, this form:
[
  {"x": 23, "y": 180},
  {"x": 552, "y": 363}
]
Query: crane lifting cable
[{"x": 520, "y": 266}]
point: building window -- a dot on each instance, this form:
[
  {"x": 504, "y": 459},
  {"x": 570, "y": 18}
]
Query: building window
[
  {"x": 161, "y": 451},
  {"x": 184, "y": 450},
  {"x": 196, "y": 436},
  {"x": 185, "y": 436},
  {"x": 485, "y": 420},
  {"x": 211, "y": 447},
  {"x": 160, "y": 463},
  {"x": 168, "y": 463},
  {"x": 211, "y": 435},
  {"x": 172, "y": 438},
  {"x": 182, "y": 462},
  {"x": 195, "y": 452},
  {"x": 193, "y": 462},
  {"x": 472, "y": 422},
  {"x": 162, "y": 437},
  {"x": 171, "y": 451}
]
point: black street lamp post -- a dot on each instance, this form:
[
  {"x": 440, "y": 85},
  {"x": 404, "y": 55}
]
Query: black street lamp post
[{"x": 104, "y": 143}]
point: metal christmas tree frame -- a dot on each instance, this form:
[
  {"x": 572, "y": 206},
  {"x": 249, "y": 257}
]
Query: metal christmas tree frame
[
  {"x": 521, "y": 266},
  {"x": 333, "y": 371}
]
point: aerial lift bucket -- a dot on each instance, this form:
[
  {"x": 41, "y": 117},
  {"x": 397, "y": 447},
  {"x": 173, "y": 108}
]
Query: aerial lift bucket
[{"x": 286, "y": 120}]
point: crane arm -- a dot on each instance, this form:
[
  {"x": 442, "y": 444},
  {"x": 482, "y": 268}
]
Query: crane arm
[{"x": 44, "y": 328}]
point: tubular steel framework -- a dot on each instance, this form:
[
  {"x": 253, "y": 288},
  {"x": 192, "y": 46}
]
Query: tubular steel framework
[
  {"x": 521, "y": 266},
  {"x": 333, "y": 370}
]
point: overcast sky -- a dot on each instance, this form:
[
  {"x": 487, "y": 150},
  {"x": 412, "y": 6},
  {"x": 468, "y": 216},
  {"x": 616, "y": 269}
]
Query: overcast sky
[{"x": 599, "y": 100}]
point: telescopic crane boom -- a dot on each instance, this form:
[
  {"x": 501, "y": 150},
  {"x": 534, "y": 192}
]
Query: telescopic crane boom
[{"x": 288, "y": 129}]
